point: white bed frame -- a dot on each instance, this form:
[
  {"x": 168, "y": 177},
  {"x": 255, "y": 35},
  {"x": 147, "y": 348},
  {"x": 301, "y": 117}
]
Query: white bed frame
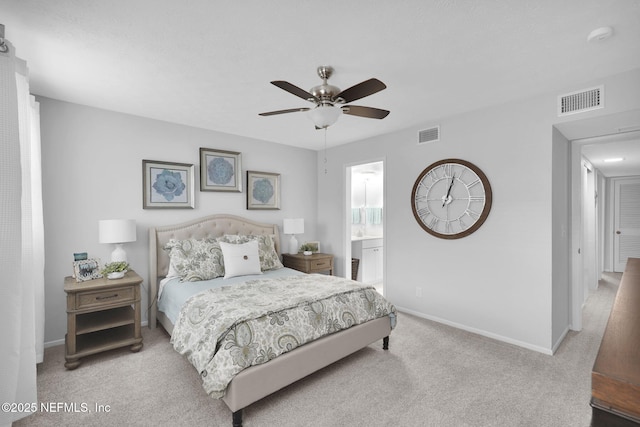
[{"x": 258, "y": 381}]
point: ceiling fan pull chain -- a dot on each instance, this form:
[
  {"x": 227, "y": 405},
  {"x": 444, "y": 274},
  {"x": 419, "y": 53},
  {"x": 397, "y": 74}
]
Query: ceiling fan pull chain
[{"x": 325, "y": 151}]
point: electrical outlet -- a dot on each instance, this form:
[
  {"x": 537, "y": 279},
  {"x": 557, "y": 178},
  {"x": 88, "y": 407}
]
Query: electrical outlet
[{"x": 419, "y": 292}]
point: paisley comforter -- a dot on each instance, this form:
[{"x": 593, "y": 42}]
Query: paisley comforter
[{"x": 225, "y": 330}]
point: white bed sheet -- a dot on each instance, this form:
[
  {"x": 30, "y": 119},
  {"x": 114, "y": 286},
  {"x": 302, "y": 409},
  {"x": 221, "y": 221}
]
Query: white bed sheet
[{"x": 174, "y": 293}]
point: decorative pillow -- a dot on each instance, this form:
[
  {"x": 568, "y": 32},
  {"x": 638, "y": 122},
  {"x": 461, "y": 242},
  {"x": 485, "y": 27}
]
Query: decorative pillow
[
  {"x": 269, "y": 259},
  {"x": 240, "y": 259},
  {"x": 193, "y": 260}
]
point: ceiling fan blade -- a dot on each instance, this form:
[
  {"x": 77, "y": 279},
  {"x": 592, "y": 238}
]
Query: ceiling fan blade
[
  {"x": 368, "y": 112},
  {"x": 295, "y": 90},
  {"x": 366, "y": 88},
  {"x": 290, "y": 110}
]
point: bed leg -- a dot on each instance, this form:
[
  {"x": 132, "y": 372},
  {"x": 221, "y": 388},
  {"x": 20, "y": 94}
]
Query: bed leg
[
  {"x": 385, "y": 343},
  {"x": 237, "y": 418}
]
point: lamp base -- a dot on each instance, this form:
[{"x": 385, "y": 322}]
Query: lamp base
[
  {"x": 118, "y": 254},
  {"x": 293, "y": 245}
]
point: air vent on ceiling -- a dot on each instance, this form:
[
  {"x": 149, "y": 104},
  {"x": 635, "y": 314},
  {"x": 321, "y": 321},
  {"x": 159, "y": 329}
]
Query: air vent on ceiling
[
  {"x": 581, "y": 101},
  {"x": 429, "y": 135}
]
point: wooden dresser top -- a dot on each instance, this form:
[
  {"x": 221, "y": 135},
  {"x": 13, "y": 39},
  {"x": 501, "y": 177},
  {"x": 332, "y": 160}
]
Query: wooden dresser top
[{"x": 615, "y": 379}]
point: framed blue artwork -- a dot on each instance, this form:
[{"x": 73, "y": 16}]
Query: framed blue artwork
[
  {"x": 167, "y": 185},
  {"x": 220, "y": 170},
  {"x": 263, "y": 190}
]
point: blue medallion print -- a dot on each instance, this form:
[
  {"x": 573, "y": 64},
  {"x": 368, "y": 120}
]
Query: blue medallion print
[
  {"x": 262, "y": 190},
  {"x": 169, "y": 184},
  {"x": 220, "y": 171}
]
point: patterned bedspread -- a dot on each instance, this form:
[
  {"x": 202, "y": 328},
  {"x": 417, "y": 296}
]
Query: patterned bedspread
[{"x": 225, "y": 330}]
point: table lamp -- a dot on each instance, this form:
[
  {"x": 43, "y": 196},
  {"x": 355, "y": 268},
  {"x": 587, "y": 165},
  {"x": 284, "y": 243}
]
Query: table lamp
[
  {"x": 293, "y": 227},
  {"x": 117, "y": 231}
]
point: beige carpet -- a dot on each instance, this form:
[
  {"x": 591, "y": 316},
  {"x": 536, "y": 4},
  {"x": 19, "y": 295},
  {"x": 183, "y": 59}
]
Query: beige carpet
[{"x": 433, "y": 375}]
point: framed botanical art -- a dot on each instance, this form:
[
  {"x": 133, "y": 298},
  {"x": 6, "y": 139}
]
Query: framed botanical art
[
  {"x": 220, "y": 170},
  {"x": 86, "y": 269},
  {"x": 263, "y": 190},
  {"x": 167, "y": 185}
]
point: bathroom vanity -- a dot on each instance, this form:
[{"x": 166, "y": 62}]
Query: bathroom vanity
[{"x": 369, "y": 251}]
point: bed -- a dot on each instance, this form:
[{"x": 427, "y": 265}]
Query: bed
[{"x": 260, "y": 380}]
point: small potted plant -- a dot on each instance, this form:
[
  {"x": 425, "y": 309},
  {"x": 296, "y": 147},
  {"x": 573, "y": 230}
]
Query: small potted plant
[
  {"x": 306, "y": 249},
  {"x": 115, "y": 270}
]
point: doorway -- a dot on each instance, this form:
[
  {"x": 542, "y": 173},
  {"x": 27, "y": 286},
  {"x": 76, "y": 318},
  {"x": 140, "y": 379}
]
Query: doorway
[
  {"x": 592, "y": 198},
  {"x": 364, "y": 223}
]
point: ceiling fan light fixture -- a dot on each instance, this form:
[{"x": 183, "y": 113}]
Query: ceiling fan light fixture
[
  {"x": 324, "y": 116},
  {"x": 330, "y": 101}
]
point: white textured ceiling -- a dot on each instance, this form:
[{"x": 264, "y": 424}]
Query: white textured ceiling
[
  {"x": 627, "y": 149},
  {"x": 606, "y": 137},
  {"x": 208, "y": 63}
]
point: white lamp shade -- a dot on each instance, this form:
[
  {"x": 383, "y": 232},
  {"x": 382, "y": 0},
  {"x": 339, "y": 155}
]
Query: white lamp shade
[
  {"x": 293, "y": 226},
  {"x": 117, "y": 231},
  {"x": 324, "y": 115}
]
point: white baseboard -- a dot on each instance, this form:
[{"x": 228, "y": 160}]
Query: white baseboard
[
  {"x": 562, "y": 337},
  {"x": 487, "y": 334},
  {"x": 54, "y": 343}
]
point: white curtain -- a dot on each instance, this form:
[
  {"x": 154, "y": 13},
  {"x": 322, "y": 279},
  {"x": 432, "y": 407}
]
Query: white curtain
[{"x": 21, "y": 238}]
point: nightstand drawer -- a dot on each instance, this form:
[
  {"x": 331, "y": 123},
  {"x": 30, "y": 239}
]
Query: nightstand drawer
[
  {"x": 113, "y": 296},
  {"x": 314, "y": 263},
  {"x": 321, "y": 264}
]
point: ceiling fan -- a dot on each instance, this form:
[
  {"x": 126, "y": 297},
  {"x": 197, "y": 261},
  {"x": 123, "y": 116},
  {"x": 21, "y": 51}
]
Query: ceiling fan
[{"x": 330, "y": 101}]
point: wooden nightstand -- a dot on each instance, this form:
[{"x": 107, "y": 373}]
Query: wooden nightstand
[
  {"x": 102, "y": 315},
  {"x": 314, "y": 263}
]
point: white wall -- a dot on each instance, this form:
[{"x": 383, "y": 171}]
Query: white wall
[
  {"x": 476, "y": 282},
  {"x": 498, "y": 281},
  {"x": 561, "y": 227},
  {"x": 92, "y": 170}
]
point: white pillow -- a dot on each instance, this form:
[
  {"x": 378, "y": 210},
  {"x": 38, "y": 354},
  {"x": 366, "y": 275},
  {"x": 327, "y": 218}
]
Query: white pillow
[
  {"x": 269, "y": 259},
  {"x": 240, "y": 260}
]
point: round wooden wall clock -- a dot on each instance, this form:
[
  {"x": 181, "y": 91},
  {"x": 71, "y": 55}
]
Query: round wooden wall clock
[{"x": 451, "y": 198}]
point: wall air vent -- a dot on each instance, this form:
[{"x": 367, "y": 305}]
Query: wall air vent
[
  {"x": 429, "y": 135},
  {"x": 581, "y": 101}
]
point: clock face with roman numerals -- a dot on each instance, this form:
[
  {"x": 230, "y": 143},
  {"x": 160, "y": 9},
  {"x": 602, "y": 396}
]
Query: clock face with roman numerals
[{"x": 451, "y": 198}]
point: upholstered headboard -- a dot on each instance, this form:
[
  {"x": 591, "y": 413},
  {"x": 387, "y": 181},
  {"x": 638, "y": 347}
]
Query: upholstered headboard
[{"x": 210, "y": 226}]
